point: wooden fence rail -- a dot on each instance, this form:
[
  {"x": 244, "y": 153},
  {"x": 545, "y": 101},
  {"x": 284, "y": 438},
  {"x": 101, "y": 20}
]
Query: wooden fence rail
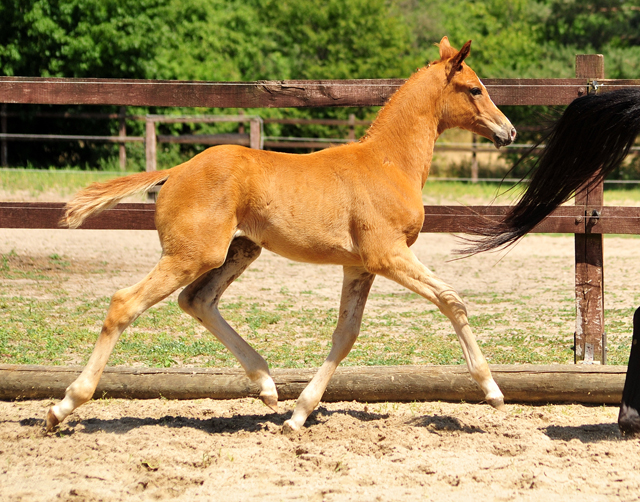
[
  {"x": 241, "y": 138},
  {"x": 438, "y": 219},
  {"x": 588, "y": 219},
  {"x": 272, "y": 94}
]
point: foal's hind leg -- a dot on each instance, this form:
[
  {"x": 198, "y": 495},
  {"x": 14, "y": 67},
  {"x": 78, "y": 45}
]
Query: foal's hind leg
[
  {"x": 355, "y": 290},
  {"x": 126, "y": 305},
  {"x": 402, "y": 266},
  {"x": 200, "y": 300}
]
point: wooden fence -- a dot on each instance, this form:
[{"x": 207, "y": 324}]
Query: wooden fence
[
  {"x": 254, "y": 139},
  {"x": 240, "y": 138},
  {"x": 588, "y": 219}
]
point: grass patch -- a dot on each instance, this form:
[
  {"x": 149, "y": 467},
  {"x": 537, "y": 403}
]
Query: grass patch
[
  {"x": 62, "y": 182},
  {"x": 461, "y": 192},
  {"x": 57, "y": 328},
  {"x": 60, "y": 331},
  {"x": 67, "y": 181},
  {"x": 450, "y": 192},
  {"x": 63, "y": 329}
]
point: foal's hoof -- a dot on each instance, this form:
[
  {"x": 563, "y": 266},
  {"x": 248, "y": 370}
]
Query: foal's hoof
[
  {"x": 497, "y": 403},
  {"x": 51, "y": 421},
  {"x": 269, "y": 392},
  {"x": 289, "y": 428},
  {"x": 270, "y": 400},
  {"x": 629, "y": 421}
]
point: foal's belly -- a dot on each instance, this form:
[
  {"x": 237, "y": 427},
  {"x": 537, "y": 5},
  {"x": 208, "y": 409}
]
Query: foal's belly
[{"x": 304, "y": 246}]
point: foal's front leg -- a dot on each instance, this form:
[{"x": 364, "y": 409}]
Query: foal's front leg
[
  {"x": 355, "y": 290},
  {"x": 401, "y": 265},
  {"x": 200, "y": 300}
]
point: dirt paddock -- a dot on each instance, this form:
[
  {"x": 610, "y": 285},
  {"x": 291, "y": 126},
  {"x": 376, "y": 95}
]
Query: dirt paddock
[
  {"x": 113, "y": 449},
  {"x": 234, "y": 450}
]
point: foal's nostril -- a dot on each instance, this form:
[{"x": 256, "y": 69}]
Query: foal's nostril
[{"x": 513, "y": 133}]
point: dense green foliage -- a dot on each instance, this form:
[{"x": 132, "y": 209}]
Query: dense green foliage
[
  {"x": 534, "y": 38},
  {"x": 79, "y": 38},
  {"x": 204, "y": 39},
  {"x": 295, "y": 39}
]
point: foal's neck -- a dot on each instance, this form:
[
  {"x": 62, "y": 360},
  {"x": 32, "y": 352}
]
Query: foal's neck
[{"x": 407, "y": 127}]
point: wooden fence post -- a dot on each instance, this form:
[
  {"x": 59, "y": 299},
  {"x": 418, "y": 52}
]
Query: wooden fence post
[
  {"x": 255, "y": 133},
  {"x": 122, "y": 132},
  {"x": 474, "y": 158},
  {"x": 241, "y": 124},
  {"x": 352, "y": 127},
  {"x": 150, "y": 144},
  {"x": 590, "y": 336},
  {"x": 4, "y": 162}
]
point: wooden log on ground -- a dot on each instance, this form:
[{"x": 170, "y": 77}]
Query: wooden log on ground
[{"x": 520, "y": 383}]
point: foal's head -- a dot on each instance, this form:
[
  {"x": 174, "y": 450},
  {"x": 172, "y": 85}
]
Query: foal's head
[{"x": 465, "y": 99}]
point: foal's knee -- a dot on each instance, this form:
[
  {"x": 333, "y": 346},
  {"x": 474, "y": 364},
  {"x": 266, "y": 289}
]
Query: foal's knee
[{"x": 451, "y": 304}]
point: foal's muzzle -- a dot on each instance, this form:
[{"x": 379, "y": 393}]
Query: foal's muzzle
[{"x": 504, "y": 136}]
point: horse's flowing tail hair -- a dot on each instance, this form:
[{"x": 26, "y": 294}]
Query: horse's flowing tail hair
[
  {"x": 100, "y": 196},
  {"x": 591, "y": 139}
]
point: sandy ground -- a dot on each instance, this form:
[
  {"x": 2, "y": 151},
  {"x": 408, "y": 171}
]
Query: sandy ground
[{"x": 235, "y": 450}]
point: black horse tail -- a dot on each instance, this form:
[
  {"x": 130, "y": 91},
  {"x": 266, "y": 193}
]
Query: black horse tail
[
  {"x": 629, "y": 418},
  {"x": 591, "y": 139}
]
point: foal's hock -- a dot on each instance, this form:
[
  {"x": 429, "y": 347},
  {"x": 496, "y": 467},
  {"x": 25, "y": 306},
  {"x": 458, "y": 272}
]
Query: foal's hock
[{"x": 357, "y": 205}]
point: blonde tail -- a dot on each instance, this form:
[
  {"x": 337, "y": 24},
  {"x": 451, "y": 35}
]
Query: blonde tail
[{"x": 100, "y": 196}]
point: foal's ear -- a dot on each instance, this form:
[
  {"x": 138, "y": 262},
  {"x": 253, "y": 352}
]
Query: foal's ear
[
  {"x": 446, "y": 51},
  {"x": 454, "y": 65}
]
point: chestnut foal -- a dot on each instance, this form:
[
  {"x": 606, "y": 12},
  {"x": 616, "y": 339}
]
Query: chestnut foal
[{"x": 357, "y": 205}]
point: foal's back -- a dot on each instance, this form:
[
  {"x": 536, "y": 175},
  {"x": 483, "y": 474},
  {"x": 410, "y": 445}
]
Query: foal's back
[{"x": 321, "y": 207}]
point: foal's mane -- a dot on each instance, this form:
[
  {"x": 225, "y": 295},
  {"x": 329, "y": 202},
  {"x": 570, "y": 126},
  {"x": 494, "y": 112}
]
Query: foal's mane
[
  {"x": 446, "y": 53},
  {"x": 381, "y": 117}
]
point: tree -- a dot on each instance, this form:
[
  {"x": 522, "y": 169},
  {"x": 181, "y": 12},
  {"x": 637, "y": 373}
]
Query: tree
[
  {"x": 595, "y": 24},
  {"x": 198, "y": 40},
  {"x": 232, "y": 40},
  {"x": 79, "y": 38}
]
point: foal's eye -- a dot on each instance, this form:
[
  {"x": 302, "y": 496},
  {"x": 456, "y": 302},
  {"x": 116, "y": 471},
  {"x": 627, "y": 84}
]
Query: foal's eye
[{"x": 476, "y": 91}]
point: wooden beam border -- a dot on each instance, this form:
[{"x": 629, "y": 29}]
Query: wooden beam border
[
  {"x": 268, "y": 94},
  {"x": 438, "y": 219},
  {"x": 521, "y": 383}
]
